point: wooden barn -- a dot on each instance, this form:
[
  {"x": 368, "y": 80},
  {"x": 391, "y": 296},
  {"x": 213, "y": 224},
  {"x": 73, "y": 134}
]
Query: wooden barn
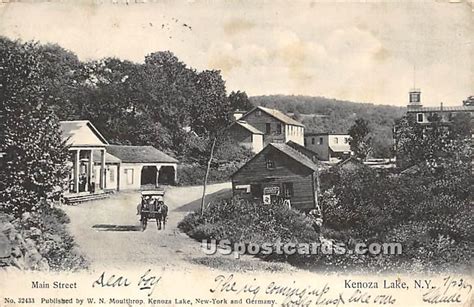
[{"x": 279, "y": 171}]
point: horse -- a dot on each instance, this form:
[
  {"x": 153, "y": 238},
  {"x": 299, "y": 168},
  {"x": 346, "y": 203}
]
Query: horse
[{"x": 162, "y": 214}]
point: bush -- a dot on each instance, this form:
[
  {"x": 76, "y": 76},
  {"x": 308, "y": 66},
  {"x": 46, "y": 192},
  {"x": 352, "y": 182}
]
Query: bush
[
  {"x": 228, "y": 158},
  {"x": 244, "y": 221},
  {"x": 193, "y": 174},
  {"x": 360, "y": 199},
  {"x": 53, "y": 240},
  {"x": 424, "y": 243},
  {"x": 429, "y": 213}
]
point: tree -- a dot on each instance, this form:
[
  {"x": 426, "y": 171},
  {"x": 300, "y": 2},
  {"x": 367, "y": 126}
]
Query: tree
[
  {"x": 240, "y": 101},
  {"x": 361, "y": 141},
  {"x": 109, "y": 99},
  {"x": 63, "y": 78},
  {"x": 469, "y": 101},
  {"x": 168, "y": 89},
  {"x": 34, "y": 165},
  {"x": 212, "y": 111},
  {"x": 439, "y": 148}
]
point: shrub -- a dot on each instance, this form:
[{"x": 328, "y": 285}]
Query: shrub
[
  {"x": 424, "y": 243},
  {"x": 249, "y": 222},
  {"x": 360, "y": 199},
  {"x": 53, "y": 240},
  {"x": 193, "y": 174},
  {"x": 428, "y": 212}
]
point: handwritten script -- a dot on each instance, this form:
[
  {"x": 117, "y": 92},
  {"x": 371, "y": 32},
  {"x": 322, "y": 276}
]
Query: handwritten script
[
  {"x": 450, "y": 291},
  {"x": 146, "y": 282}
]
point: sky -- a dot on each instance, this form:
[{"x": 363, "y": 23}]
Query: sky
[{"x": 363, "y": 51}]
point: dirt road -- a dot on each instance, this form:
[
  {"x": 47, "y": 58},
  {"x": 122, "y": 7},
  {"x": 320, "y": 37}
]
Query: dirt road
[{"x": 108, "y": 231}]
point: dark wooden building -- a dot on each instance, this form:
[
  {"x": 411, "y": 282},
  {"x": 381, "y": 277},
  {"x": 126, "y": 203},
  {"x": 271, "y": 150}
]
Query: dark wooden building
[{"x": 279, "y": 172}]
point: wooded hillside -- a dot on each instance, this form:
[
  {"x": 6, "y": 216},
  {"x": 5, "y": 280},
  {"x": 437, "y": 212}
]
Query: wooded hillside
[
  {"x": 320, "y": 114},
  {"x": 160, "y": 101}
]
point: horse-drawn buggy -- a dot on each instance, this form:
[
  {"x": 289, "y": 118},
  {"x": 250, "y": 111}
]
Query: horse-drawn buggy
[{"x": 152, "y": 206}]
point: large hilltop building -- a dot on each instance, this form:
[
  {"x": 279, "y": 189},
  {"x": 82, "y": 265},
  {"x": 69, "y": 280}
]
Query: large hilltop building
[{"x": 424, "y": 115}]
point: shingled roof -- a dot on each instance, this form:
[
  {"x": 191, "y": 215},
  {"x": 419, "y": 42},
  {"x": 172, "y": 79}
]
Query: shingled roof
[
  {"x": 295, "y": 155},
  {"x": 276, "y": 114},
  {"x": 288, "y": 151},
  {"x": 304, "y": 150},
  {"x": 247, "y": 126},
  {"x": 108, "y": 158},
  {"x": 139, "y": 154}
]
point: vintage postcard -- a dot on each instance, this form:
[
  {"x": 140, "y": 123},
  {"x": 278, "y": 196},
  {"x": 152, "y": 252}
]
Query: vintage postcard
[{"x": 236, "y": 153}]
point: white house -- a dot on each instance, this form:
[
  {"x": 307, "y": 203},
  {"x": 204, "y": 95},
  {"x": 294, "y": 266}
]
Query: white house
[
  {"x": 85, "y": 142},
  {"x": 97, "y": 166},
  {"x": 143, "y": 166},
  {"x": 329, "y": 146},
  {"x": 276, "y": 126}
]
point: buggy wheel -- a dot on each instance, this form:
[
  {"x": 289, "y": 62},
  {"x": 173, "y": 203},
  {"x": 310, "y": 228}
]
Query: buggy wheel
[{"x": 143, "y": 223}]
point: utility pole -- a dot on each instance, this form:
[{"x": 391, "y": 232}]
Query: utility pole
[{"x": 203, "y": 200}]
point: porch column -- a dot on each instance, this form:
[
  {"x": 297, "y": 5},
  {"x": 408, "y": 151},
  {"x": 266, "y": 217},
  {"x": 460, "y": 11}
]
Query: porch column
[
  {"x": 102, "y": 169},
  {"x": 76, "y": 171},
  {"x": 175, "y": 174},
  {"x": 317, "y": 191},
  {"x": 91, "y": 170},
  {"x": 157, "y": 174}
]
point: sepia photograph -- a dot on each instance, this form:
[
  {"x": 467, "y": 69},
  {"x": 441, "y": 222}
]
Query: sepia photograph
[{"x": 236, "y": 153}]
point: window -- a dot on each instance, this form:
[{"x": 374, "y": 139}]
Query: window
[
  {"x": 268, "y": 128},
  {"x": 278, "y": 128},
  {"x": 112, "y": 175},
  {"x": 320, "y": 141},
  {"x": 419, "y": 117},
  {"x": 312, "y": 141},
  {"x": 270, "y": 163},
  {"x": 346, "y": 140},
  {"x": 415, "y": 97},
  {"x": 259, "y": 113},
  {"x": 287, "y": 189},
  {"x": 129, "y": 175},
  {"x": 336, "y": 140}
]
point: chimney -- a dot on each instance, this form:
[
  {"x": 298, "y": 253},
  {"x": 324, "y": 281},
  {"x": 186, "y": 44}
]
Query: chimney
[{"x": 441, "y": 106}]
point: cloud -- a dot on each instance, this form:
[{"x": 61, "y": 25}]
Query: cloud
[
  {"x": 237, "y": 26},
  {"x": 357, "y": 52}
]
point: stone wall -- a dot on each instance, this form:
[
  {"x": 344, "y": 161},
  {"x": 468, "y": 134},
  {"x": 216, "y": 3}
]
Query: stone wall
[{"x": 18, "y": 247}]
